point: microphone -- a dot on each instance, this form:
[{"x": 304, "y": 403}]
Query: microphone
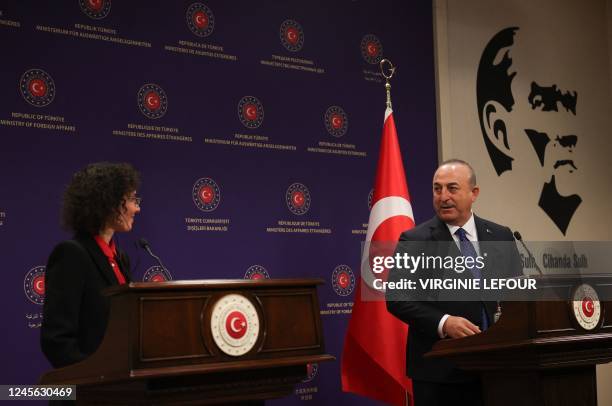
[
  {"x": 519, "y": 238},
  {"x": 143, "y": 243}
]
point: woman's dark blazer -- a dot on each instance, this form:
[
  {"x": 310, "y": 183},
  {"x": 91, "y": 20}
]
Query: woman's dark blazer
[{"x": 75, "y": 312}]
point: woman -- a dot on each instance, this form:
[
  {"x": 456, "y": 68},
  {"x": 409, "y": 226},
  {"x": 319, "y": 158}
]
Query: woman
[{"x": 99, "y": 201}]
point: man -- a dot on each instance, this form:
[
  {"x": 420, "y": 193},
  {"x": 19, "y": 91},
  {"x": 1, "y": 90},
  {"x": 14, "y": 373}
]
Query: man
[
  {"x": 528, "y": 121},
  {"x": 435, "y": 381}
]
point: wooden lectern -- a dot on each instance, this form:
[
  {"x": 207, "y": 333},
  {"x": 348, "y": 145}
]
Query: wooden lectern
[
  {"x": 537, "y": 353},
  {"x": 201, "y": 342}
]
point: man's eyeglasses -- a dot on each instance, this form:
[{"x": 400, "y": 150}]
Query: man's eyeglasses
[{"x": 135, "y": 199}]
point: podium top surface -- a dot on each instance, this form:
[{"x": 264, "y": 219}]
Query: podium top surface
[{"x": 211, "y": 284}]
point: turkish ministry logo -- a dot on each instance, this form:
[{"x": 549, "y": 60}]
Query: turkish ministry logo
[
  {"x": 96, "y": 9},
  {"x": 34, "y": 285},
  {"x": 343, "y": 280},
  {"x": 371, "y": 49},
  {"x": 157, "y": 274},
  {"x": 298, "y": 199},
  {"x": 234, "y": 324},
  {"x": 256, "y": 272},
  {"x": 152, "y": 101},
  {"x": 200, "y": 20},
  {"x": 370, "y": 198},
  {"x": 586, "y": 307},
  {"x": 292, "y": 35},
  {"x": 37, "y": 87},
  {"x": 311, "y": 371},
  {"x": 206, "y": 194},
  {"x": 250, "y": 112},
  {"x": 336, "y": 121}
]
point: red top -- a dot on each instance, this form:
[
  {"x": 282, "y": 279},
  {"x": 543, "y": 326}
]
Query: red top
[{"x": 110, "y": 250}]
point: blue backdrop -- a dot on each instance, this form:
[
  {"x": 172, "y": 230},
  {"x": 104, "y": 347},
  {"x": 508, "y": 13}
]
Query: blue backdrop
[{"x": 255, "y": 126}]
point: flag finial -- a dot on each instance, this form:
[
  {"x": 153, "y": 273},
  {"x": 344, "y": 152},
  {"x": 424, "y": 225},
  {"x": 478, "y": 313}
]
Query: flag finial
[{"x": 388, "y": 74}]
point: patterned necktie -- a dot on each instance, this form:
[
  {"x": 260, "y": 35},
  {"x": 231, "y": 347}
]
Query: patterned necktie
[{"x": 468, "y": 250}]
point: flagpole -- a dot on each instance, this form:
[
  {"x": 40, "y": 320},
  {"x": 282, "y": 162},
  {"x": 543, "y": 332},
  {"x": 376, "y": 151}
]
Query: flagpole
[
  {"x": 388, "y": 74},
  {"x": 367, "y": 368}
]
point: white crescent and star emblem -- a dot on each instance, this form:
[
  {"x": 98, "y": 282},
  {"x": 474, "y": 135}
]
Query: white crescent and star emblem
[
  {"x": 371, "y": 49},
  {"x": 207, "y": 194},
  {"x": 234, "y": 324},
  {"x": 343, "y": 280},
  {"x": 585, "y": 307},
  {"x": 336, "y": 121},
  {"x": 298, "y": 198},
  {"x": 241, "y": 325},
  {"x": 37, "y": 87},
  {"x": 34, "y": 285},
  {"x": 292, "y": 35},
  {"x": 383, "y": 209},
  {"x": 153, "y": 101},
  {"x": 39, "y": 285},
  {"x": 200, "y": 19},
  {"x": 251, "y": 112},
  {"x": 588, "y": 306}
]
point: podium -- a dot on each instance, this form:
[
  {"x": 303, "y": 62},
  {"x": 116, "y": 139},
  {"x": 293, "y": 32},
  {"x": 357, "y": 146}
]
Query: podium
[
  {"x": 538, "y": 353},
  {"x": 201, "y": 342}
]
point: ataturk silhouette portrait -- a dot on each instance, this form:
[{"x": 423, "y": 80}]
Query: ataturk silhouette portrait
[{"x": 507, "y": 112}]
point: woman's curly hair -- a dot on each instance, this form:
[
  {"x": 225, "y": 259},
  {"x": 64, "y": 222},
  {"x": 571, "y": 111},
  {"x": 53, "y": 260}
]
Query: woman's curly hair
[{"x": 95, "y": 194}]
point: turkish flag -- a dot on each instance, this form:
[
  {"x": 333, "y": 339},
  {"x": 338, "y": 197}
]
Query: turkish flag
[{"x": 374, "y": 354}]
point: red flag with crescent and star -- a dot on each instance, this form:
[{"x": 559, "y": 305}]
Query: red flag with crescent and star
[{"x": 374, "y": 353}]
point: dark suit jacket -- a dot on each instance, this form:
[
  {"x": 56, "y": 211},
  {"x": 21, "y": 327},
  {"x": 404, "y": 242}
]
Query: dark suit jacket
[
  {"x": 423, "y": 316},
  {"x": 75, "y": 313}
]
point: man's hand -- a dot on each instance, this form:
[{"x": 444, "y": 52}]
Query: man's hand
[{"x": 457, "y": 327}]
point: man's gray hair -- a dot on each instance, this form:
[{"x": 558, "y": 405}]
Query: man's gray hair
[{"x": 462, "y": 162}]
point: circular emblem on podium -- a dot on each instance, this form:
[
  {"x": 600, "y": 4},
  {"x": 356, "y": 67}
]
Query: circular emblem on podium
[
  {"x": 34, "y": 285},
  {"x": 371, "y": 49},
  {"x": 292, "y": 35},
  {"x": 336, "y": 121},
  {"x": 298, "y": 199},
  {"x": 234, "y": 324},
  {"x": 206, "y": 194},
  {"x": 152, "y": 101},
  {"x": 37, "y": 87},
  {"x": 200, "y": 20},
  {"x": 586, "y": 307},
  {"x": 96, "y": 9}
]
